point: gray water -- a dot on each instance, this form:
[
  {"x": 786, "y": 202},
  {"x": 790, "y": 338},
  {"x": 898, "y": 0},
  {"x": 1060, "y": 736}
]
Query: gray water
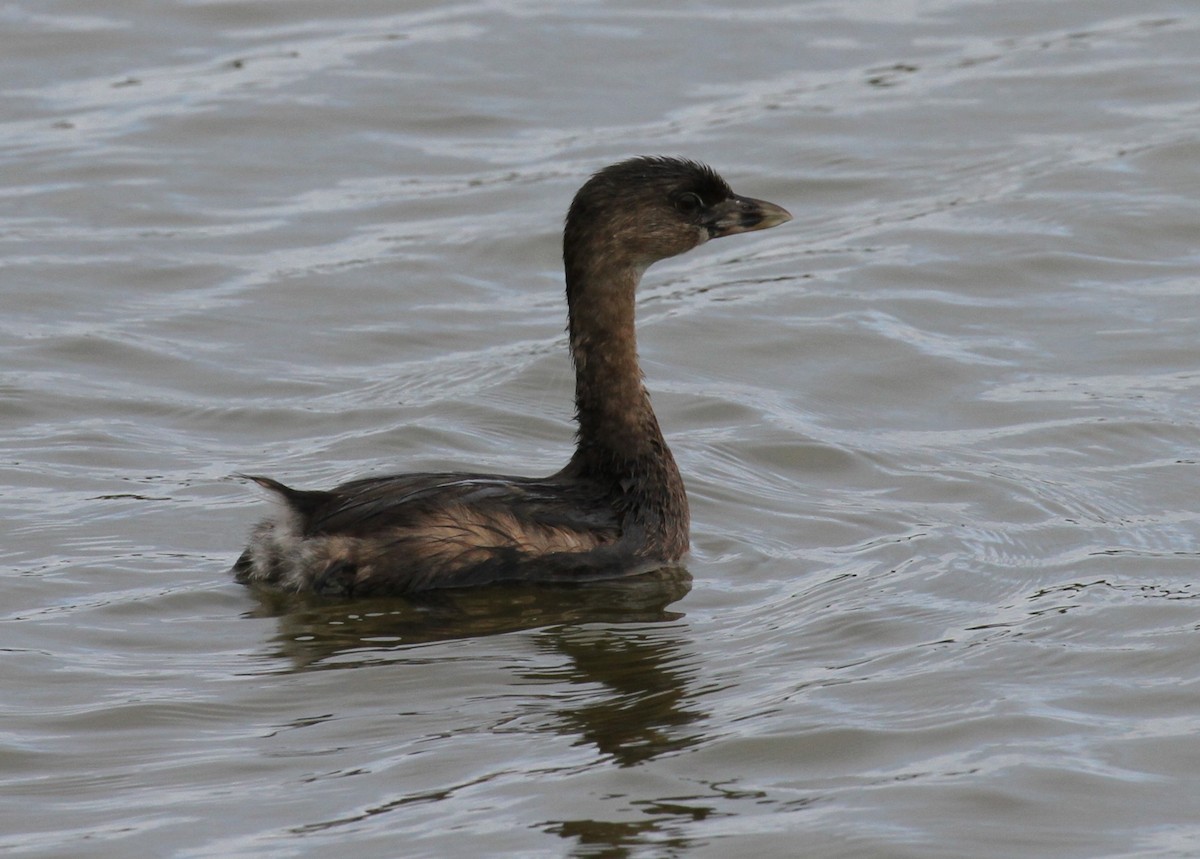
[{"x": 940, "y": 433}]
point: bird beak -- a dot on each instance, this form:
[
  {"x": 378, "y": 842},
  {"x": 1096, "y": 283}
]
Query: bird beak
[{"x": 743, "y": 215}]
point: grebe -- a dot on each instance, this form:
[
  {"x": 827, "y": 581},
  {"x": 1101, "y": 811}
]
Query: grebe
[{"x": 618, "y": 508}]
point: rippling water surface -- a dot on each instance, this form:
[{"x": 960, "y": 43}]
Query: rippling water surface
[{"x": 940, "y": 432}]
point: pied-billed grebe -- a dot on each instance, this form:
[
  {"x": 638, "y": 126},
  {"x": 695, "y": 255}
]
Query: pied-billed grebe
[{"x": 618, "y": 507}]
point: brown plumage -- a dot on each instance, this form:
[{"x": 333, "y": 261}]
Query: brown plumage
[{"x": 618, "y": 507}]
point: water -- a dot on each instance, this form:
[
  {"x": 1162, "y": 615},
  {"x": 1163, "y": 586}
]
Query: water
[{"x": 939, "y": 432}]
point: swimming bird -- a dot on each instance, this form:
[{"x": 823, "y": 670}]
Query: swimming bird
[{"x": 617, "y": 508}]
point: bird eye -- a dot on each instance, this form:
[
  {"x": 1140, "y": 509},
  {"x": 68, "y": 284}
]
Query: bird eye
[{"x": 689, "y": 203}]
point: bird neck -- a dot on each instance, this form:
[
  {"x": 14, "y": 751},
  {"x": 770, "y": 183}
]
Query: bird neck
[
  {"x": 620, "y": 445},
  {"x": 616, "y": 420}
]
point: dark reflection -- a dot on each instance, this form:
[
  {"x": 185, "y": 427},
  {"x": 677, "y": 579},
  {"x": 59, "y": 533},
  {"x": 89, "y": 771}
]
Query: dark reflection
[
  {"x": 312, "y": 630},
  {"x": 645, "y": 712},
  {"x": 600, "y": 839},
  {"x": 635, "y": 670},
  {"x": 645, "y": 708},
  {"x": 664, "y": 827}
]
